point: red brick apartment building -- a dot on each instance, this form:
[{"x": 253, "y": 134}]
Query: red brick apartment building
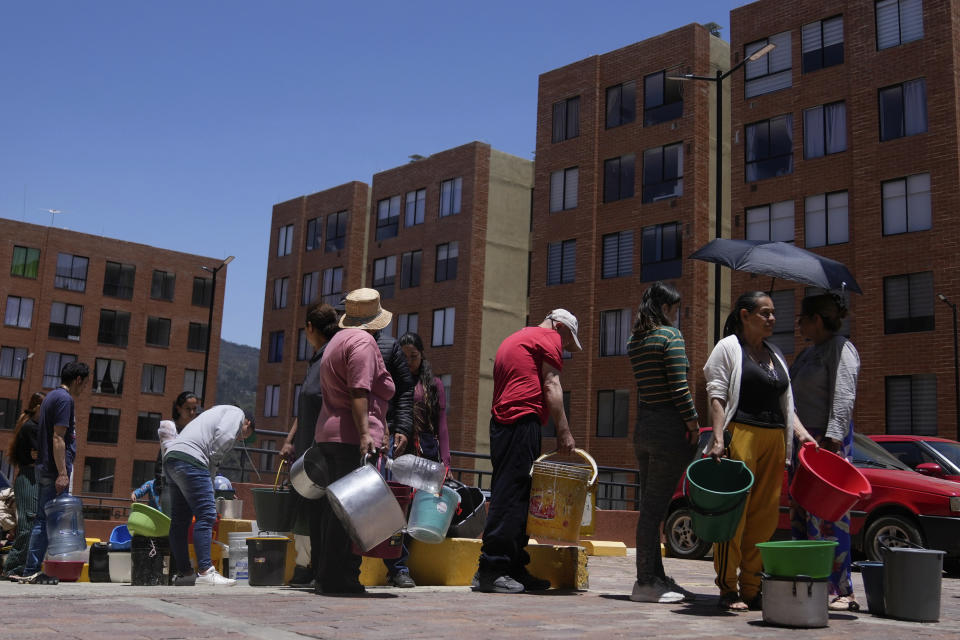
[
  {"x": 623, "y": 193},
  {"x": 137, "y": 315},
  {"x": 845, "y": 142},
  {"x": 445, "y": 239}
]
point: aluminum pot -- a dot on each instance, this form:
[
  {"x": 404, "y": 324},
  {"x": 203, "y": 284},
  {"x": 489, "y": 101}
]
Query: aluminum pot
[
  {"x": 797, "y": 601},
  {"x": 308, "y": 475},
  {"x": 230, "y": 509},
  {"x": 365, "y": 505}
]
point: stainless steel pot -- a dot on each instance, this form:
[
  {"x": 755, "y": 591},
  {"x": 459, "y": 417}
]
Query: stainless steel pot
[
  {"x": 798, "y": 601},
  {"x": 230, "y": 509},
  {"x": 308, "y": 475},
  {"x": 366, "y": 506}
]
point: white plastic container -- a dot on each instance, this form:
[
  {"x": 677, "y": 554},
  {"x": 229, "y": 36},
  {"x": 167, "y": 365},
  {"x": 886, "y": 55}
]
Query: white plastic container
[
  {"x": 239, "y": 563},
  {"x": 121, "y": 566}
]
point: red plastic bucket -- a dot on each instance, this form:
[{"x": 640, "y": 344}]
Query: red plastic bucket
[
  {"x": 392, "y": 547},
  {"x": 825, "y": 484}
]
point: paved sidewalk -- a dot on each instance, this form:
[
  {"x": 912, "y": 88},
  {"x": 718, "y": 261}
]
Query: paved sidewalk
[{"x": 88, "y": 611}]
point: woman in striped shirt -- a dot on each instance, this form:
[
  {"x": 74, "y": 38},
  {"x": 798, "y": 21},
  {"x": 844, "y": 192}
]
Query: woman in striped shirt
[{"x": 666, "y": 434}]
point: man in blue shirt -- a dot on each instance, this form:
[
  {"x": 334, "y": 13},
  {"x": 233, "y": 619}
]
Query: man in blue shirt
[{"x": 57, "y": 442}]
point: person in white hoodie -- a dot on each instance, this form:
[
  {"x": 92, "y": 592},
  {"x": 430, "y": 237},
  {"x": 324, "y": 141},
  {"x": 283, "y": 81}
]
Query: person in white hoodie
[{"x": 189, "y": 464}]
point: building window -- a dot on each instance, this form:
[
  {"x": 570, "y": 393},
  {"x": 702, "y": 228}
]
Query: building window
[
  {"x": 271, "y": 401},
  {"x": 19, "y": 312},
  {"x": 769, "y": 148},
  {"x": 108, "y": 376},
  {"x": 266, "y": 459},
  {"x": 613, "y": 411},
  {"x": 26, "y": 261},
  {"x": 550, "y": 429},
  {"x": 162, "y": 285},
  {"x": 410, "y": 269},
  {"x": 332, "y": 285},
  {"x": 662, "y": 100},
  {"x": 906, "y": 204},
  {"x": 202, "y": 292},
  {"x": 158, "y": 332},
  {"x": 824, "y": 130},
  {"x": 451, "y": 192},
  {"x": 193, "y": 381},
  {"x": 911, "y": 404},
  {"x": 153, "y": 379},
  {"x": 621, "y": 104},
  {"x": 114, "y": 327},
  {"x": 898, "y": 22},
  {"x": 663, "y": 172},
  {"x": 197, "y": 337},
  {"x": 443, "y": 320},
  {"x": 447, "y": 257},
  {"x": 566, "y": 119},
  {"x": 561, "y": 262},
  {"x": 142, "y": 471},
  {"x": 284, "y": 240},
  {"x": 337, "y": 230},
  {"x": 281, "y": 287},
  {"x": 65, "y": 321},
  {"x": 104, "y": 425},
  {"x": 118, "y": 280},
  {"x": 903, "y": 110},
  {"x": 98, "y": 474},
  {"x": 826, "y": 219},
  {"x": 785, "y": 320},
  {"x": 615, "y": 328},
  {"x": 770, "y": 222},
  {"x": 618, "y": 178},
  {"x": 908, "y": 303},
  {"x": 563, "y": 189},
  {"x": 612, "y": 490},
  {"x": 71, "y": 272},
  {"x": 617, "y": 254},
  {"x": 295, "y": 411},
  {"x": 11, "y": 363},
  {"x": 772, "y": 72},
  {"x": 388, "y": 218},
  {"x": 822, "y": 44},
  {"x": 275, "y": 352},
  {"x": 304, "y": 348},
  {"x": 52, "y": 366},
  {"x": 385, "y": 275},
  {"x": 415, "y": 208},
  {"x": 314, "y": 234},
  {"x": 8, "y": 413},
  {"x": 310, "y": 288},
  {"x": 660, "y": 250},
  {"x": 147, "y": 424},
  {"x": 408, "y": 323}
]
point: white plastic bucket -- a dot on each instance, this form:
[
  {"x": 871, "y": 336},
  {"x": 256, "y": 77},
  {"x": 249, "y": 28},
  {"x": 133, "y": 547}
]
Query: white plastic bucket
[{"x": 239, "y": 561}]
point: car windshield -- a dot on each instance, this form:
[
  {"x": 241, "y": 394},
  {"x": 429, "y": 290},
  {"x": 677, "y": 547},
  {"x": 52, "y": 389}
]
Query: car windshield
[
  {"x": 949, "y": 450},
  {"x": 867, "y": 453}
]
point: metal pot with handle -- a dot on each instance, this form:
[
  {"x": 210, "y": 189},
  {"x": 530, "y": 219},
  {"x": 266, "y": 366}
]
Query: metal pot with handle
[
  {"x": 230, "y": 509},
  {"x": 308, "y": 475},
  {"x": 366, "y": 506}
]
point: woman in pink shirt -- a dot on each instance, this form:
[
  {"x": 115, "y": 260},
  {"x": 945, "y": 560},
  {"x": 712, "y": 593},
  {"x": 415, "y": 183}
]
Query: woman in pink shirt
[{"x": 356, "y": 393}]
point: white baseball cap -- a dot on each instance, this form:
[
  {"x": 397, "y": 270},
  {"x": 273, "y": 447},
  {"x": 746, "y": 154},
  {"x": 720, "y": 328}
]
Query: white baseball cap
[{"x": 567, "y": 319}]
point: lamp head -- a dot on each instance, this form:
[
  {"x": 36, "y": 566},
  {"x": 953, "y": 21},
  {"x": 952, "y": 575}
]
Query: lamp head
[{"x": 762, "y": 51}]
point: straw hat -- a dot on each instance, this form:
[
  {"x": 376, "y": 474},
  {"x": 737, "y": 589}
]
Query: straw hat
[{"x": 362, "y": 310}]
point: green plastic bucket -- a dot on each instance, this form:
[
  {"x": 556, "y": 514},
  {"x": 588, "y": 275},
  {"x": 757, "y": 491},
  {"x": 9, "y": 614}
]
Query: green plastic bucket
[
  {"x": 717, "y": 492},
  {"x": 276, "y": 509},
  {"x": 790, "y": 558}
]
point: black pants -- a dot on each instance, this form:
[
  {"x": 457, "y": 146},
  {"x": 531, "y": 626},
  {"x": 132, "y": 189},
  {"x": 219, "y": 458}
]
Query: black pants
[
  {"x": 334, "y": 564},
  {"x": 513, "y": 448}
]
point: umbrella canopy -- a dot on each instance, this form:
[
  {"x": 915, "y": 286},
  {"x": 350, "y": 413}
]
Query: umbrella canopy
[{"x": 778, "y": 260}]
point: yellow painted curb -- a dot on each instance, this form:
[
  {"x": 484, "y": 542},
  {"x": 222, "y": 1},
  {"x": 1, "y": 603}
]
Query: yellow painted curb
[{"x": 604, "y": 548}]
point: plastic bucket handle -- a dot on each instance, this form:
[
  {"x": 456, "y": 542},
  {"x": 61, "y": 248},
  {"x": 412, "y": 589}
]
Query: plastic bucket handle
[
  {"x": 886, "y": 537},
  {"x": 279, "y": 469},
  {"x": 580, "y": 452}
]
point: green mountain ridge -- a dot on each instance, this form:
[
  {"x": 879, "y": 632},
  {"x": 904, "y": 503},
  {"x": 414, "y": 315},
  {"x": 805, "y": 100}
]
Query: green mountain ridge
[{"x": 237, "y": 375}]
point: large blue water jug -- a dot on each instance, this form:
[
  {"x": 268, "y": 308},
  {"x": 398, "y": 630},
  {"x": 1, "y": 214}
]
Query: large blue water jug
[{"x": 65, "y": 525}]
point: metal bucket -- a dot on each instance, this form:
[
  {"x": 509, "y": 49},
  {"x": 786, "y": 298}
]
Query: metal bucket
[
  {"x": 366, "y": 506},
  {"x": 798, "y": 601},
  {"x": 308, "y": 475},
  {"x": 230, "y": 509}
]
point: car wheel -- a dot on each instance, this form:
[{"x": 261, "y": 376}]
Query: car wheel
[
  {"x": 682, "y": 542},
  {"x": 893, "y": 526}
]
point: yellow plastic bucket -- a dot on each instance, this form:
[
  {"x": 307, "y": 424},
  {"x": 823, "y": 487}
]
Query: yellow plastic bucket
[{"x": 558, "y": 493}]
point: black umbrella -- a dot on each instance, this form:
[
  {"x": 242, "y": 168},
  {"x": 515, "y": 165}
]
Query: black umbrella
[{"x": 778, "y": 260}]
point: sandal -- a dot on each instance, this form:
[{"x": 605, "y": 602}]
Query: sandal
[
  {"x": 41, "y": 578},
  {"x": 730, "y": 601},
  {"x": 844, "y": 603}
]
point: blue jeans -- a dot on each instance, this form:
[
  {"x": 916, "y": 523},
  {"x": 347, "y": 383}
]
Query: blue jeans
[
  {"x": 38, "y": 537},
  {"x": 191, "y": 495}
]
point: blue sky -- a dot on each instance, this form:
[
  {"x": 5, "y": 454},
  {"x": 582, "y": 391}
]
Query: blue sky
[{"x": 180, "y": 124}]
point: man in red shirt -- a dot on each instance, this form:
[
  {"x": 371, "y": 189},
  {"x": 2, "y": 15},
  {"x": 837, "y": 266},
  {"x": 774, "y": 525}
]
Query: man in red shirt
[{"x": 526, "y": 393}]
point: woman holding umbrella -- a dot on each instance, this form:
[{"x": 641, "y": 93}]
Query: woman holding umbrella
[{"x": 750, "y": 396}]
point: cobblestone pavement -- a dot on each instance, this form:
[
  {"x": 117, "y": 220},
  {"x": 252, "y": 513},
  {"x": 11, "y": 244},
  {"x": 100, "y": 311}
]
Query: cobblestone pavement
[{"x": 106, "y": 611}]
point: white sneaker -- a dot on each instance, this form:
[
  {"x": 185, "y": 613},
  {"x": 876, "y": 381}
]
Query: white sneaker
[
  {"x": 655, "y": 592},
  {"x": 212, "y": 577}
]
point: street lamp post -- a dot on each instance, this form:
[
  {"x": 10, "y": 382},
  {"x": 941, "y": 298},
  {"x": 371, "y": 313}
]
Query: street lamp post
[
  {"x": 206, "y": 351},
  {"x": 23, "y": 366},
  {"x": 718, "y": 191},
  {"x": 956, "y": 360}
]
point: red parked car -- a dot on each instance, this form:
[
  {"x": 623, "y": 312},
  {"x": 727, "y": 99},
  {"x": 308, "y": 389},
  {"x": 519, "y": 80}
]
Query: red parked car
[
  {"x": 904, "y": 504},
  {"x": 929, "y": 455}
]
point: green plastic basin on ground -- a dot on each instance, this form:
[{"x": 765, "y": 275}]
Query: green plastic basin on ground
[
  {"x": 717, "y": 491},
  {"x": 790, "y": 558}
]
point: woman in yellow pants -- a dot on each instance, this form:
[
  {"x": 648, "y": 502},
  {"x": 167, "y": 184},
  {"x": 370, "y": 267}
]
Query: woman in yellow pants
[{"x": 749, "y": 391}]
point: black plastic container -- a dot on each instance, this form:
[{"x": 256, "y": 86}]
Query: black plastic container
[
  {"x": 267, "y": 561},
  {"x": 149, "y": 560},
  {"x": 99, "y": 562}
]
